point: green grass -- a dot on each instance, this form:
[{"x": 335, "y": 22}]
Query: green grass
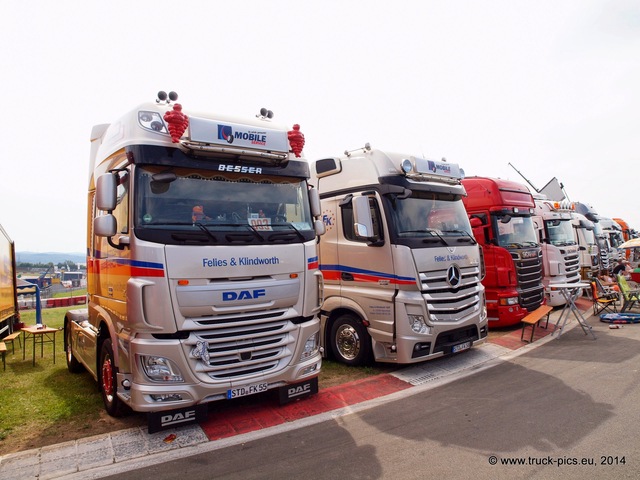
[{"x": 42, "y": 399}]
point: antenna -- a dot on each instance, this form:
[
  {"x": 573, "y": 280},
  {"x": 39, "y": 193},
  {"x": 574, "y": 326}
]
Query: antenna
[{"x": 526, "y": 179}]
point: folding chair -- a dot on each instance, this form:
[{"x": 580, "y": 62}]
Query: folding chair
[
  {"x": 631, "y": 297},
  {"x": 603, "y": 301},
  {"x": 606, "y": 290}
]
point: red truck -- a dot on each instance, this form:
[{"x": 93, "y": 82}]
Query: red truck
[{"x": 500, "y": 212}]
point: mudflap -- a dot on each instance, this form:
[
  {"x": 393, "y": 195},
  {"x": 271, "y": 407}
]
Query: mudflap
[
  {"x": 295, "y": 391},
  {"x": 157, "y": 421}
]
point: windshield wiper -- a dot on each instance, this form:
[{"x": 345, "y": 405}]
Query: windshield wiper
[
  {"x": 206, "y": 230},
  {"x": 463, "y": 239},
  {"x": 281, "y": 234},
  {"x": 432, "y": 239},
  {"x": 230, "y": 236}
]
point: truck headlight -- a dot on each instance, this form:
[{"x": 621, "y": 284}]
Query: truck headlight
[
  {"x": 310, "y": 346},
  {"x": 509, "y": 301},
  {"x": 160, "y": 369},
  {"x": 418, "y": 324}
]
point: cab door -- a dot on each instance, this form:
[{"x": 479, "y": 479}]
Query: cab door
[{"x": 367, "y": 273}]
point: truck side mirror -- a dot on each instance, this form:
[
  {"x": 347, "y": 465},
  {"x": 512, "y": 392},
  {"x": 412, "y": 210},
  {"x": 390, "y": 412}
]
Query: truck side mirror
[
  {"x": 106, "y": 192},
  {"x": 319, "y": 227},
  {"x": 105, "y": 225},
  {"x": 314, "y": 202},
  {"x": 106, "y": 200},
  {"x": 475, "y": 222},
  {"x": 362, "y": 222}
]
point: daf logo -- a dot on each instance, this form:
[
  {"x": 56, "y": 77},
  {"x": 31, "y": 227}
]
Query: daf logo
[
  {"x": 178, "y": 418},
  {"x": 453, "y": 276},
  {"x": 243, "y": 294}
]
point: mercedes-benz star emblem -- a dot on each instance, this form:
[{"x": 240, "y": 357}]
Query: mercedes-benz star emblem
[{"x": 453, "y": 275}]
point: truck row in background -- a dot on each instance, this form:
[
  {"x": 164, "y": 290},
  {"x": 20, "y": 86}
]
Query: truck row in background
[{"x": 221, "y": 263}]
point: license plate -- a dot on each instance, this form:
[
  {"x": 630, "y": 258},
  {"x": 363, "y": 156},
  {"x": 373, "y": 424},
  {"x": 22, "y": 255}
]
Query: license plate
[
  {"x": 247, "y": 390},
  {"x": 460, "y": 347}
]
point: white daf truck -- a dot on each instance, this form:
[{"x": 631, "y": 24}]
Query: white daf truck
[
  {"x": 560, "y": 251},
  {"x": 202, "y": 268},
  {"x": 401, "y": 267}
]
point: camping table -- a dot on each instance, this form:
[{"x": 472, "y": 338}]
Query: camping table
[
  {"x": 40, "y": 335},
  {"x": 571, "y": 292}
]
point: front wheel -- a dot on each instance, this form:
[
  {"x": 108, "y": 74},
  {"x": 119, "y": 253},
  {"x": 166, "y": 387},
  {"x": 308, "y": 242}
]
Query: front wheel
[
  {"x": 350, "y": 341},
  {"x": 108, "y": 381}
]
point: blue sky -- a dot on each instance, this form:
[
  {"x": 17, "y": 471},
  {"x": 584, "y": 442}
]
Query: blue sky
[{"x": 550, "y": 87}]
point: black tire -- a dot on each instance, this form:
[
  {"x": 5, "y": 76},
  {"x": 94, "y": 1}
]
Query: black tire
[
  {"x": 108, "y": 381},
  {"x": 73, "y": 365},
  {"x": 350, "y": 341}
]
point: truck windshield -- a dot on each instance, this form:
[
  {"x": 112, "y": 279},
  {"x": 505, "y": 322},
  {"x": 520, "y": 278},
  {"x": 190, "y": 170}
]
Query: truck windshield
[
  {"x": 515, "y": 231},
  {"x": 560, "y": 232},
  {"x": 427, "y": 215},
  {"x": 174, "y": 205},
  {"x": 615, "y": 239}
]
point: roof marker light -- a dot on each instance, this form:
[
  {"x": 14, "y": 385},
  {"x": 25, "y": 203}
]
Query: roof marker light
[{"x": 406, "y": 165}]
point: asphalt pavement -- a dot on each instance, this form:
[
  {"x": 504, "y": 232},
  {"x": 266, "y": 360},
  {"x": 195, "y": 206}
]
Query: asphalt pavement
[{"x": 108, "y": 454}]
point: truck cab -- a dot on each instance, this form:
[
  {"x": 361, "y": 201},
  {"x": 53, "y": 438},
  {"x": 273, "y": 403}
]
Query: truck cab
[
  {"x": 203, "y": 280},
  {"x": 401, "y": 268},
  {"x": 584, "y": 234},
  {"x": 560, "y": 251},
  {"x": 602, "y": 239},
  {"x": 501, "y": 212}
]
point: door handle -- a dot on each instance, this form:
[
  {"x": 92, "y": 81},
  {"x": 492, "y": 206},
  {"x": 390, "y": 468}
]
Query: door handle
[{"x": 346, "y": 276}]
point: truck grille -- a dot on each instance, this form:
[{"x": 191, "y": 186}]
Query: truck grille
[
  {"x": 572, "y": 266},
  {"x": 529, "y": 273},
  {"x": 242, "y": 345},
  {"x": 447, "y": 304},
  {"x": 604, "y": 259}
]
